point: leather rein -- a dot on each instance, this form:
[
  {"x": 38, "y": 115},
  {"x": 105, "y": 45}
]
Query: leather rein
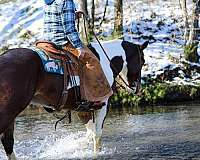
[{"x": 138, "y": 80}]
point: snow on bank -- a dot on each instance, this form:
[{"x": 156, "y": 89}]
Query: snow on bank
[
  {"x": 26, "y": 16},
  {"x": 158, "y": 21}
]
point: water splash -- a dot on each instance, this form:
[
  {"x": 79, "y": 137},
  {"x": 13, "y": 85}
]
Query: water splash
[{"x": 72, "y": 146}]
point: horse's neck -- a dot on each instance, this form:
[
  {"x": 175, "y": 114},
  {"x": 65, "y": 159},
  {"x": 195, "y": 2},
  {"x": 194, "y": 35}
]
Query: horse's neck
[{"x": 112, "y": 49}]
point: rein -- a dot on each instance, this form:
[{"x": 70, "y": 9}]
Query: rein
[
  {"x": 110, "y": 61},
  {"x": 140, "y": 63},
  {"x": 84, "y": 19}
]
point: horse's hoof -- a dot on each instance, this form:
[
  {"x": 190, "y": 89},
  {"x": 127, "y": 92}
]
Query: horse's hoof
[
  {"x": 97, "y": 145},
  {"x": 11, "y": 156}
]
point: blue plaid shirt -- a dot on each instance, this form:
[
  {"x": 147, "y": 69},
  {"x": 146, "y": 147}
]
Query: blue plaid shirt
[{"x": 59, "y": 23}]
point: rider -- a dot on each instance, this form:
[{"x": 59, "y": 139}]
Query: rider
[{"x": 59, "y": 28}]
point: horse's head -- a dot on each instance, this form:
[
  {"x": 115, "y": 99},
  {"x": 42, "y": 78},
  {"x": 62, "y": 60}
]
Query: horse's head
[{"x": 135, "y": 60}]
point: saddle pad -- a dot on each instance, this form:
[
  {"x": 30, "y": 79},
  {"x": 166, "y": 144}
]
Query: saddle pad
[{"x": 49, "y": 64}]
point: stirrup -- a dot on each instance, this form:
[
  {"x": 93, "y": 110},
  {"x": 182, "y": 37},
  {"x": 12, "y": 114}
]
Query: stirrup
[
  {"x": 83, "y": 106},
  {"x": 86, "y": 106}
]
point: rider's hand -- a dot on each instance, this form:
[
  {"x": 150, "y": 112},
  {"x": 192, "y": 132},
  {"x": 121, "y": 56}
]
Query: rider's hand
[
  {"x": 79, "y": 14},
  {"x": 82, "y": 52}
]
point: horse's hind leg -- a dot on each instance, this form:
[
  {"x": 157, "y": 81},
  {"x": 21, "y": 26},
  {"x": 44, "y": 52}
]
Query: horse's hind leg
[{"x": 7, "y": 140}]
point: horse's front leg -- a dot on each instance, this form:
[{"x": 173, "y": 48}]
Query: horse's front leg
[
  {"x": 95, "y": 128},
  {"x": 7, "y": 140}
]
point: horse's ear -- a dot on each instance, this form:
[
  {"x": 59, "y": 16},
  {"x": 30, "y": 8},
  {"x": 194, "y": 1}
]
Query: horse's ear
[{"x": 144, "y": 45}]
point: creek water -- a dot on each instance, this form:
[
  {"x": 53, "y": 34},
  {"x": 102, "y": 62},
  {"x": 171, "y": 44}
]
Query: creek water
[{"x": 156, "y": 133}]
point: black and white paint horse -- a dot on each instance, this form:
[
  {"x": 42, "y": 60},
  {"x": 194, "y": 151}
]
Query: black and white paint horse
[{"x": 125, "y": 57}]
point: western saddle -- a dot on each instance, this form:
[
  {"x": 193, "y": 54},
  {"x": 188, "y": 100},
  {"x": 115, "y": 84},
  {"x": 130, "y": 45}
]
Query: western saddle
[{"x": 71, "y": 67}]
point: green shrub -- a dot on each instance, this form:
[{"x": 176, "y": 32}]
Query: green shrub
[
  {"x": 158, "y": 93},
  {"x": 3, "y": 49},
  {"x": 190, "y": 52},
  {"x": 26, "y": 35}
]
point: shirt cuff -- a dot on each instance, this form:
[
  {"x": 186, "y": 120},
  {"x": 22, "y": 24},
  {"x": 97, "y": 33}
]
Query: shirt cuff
[{"x": 75, "y": 40}]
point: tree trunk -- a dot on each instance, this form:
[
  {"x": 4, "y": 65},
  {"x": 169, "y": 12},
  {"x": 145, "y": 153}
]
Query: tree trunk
[
  {"x": 92, "y": 15},
  {"x": 104, "y": 13},
  {"x": 84, "y": 8},
  {"x": 190, "y": 51},
  {"x": 194, "y": 30},
  {"x": 183, "y": 5},
  {"x": 118, "y": 24}
]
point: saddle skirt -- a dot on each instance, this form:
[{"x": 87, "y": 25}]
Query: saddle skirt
[{"x": 54, "y": 65}]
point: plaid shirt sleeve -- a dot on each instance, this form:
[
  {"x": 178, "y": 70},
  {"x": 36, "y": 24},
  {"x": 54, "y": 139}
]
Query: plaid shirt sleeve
[{"x": 68, "y": 20}]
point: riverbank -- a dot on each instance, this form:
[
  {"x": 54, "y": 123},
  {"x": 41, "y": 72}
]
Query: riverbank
[
  {"x": 171, "y": 85},
  {"x": 158, "y": 94}
]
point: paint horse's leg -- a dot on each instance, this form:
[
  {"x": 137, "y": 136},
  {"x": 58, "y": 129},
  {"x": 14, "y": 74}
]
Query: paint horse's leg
[
  {"x": 95, "y": 129},
  {"x": 7, "y": 140}
]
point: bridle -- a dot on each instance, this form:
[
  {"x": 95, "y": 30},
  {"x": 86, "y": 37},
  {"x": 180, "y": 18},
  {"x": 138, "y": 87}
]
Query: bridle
[
  {"x": 140, "y": 64},
  {"x": 115, "y": 70}
]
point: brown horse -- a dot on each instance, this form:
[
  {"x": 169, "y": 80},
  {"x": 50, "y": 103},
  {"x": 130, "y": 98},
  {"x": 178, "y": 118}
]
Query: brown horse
[{"x": 23, "y": 80}]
